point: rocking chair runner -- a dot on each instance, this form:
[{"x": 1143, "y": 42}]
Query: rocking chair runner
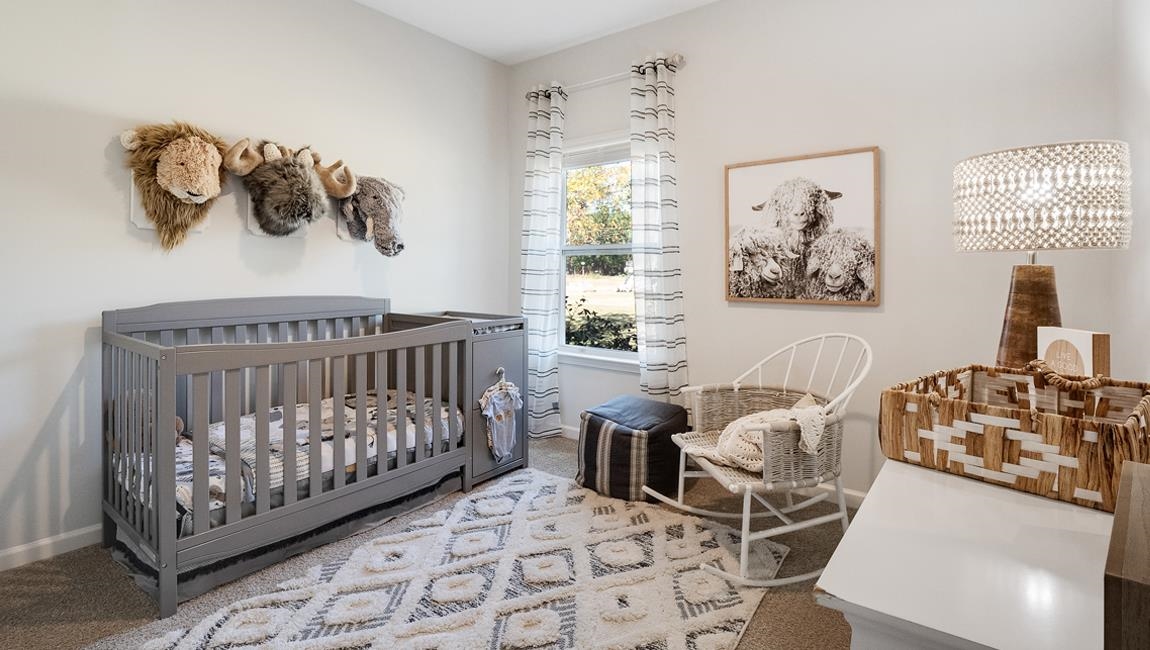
[{"x": 836, "y": 361}]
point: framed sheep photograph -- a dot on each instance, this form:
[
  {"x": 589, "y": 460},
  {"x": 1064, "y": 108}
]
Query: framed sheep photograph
[{"x": 804, "y": 229}]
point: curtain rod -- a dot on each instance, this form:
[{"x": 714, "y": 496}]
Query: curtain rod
[{"x": 677, "y": 60}]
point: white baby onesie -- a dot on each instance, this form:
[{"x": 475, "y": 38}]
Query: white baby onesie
[{"x": 499, "y": 405}]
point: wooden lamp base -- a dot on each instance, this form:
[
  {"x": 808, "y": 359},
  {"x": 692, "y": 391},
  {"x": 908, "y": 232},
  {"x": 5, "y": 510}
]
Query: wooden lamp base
[{"x": 1033, "y": 302}]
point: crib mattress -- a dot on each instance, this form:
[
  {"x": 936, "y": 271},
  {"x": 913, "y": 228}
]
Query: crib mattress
[{"x": 217, "y": 461}]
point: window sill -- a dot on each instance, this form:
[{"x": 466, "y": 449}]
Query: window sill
[{"x": 599, "y": 361}]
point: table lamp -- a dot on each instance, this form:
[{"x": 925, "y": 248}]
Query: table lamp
[{"x": 1067, "y": 195}]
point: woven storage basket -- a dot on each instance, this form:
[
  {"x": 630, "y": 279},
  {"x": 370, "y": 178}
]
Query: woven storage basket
[
  {"x": 1029, "y": 429},
  {"x": 714, "y": 407}
]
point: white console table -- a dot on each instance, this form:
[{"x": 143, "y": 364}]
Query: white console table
[{"x": 939, "y": 561}]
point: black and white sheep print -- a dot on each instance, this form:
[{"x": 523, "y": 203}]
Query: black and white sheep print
[{"x": 803, "y": 229}]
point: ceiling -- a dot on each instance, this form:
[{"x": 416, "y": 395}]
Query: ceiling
[{"x": 513, "y": 31}]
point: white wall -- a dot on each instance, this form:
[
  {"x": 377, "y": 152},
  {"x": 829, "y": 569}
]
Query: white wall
[
  {"x": 1132, "y": 273},
  {"x": 928, "y": 82},
  {"x": 389, "y": 99}
]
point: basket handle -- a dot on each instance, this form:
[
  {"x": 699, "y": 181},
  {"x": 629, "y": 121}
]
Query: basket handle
[{"x": 1058, "y": 381}]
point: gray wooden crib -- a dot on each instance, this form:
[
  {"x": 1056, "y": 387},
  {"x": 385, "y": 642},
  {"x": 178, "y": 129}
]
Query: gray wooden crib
[{"x": 277, "y": 396}]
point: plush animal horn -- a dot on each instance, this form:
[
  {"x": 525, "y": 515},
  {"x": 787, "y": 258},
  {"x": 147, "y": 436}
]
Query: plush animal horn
[
  {"x": 272, "y": 151},
  {"x": 241, "y": 159},
  {"x": 337, "y": 178}
]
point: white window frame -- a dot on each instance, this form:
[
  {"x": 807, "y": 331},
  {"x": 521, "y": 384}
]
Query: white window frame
[{"x": 589, "y": 153}]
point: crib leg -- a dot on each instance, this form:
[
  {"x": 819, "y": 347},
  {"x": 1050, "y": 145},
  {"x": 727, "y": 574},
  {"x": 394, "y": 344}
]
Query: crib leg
[
  {"x": 109, "y": 532},
  {"x": 467, "y": 479},
  {"x": 167, "y": 597}
]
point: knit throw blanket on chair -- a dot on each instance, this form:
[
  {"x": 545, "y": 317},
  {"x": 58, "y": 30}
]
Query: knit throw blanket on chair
[{"x": 741, "y": 442}]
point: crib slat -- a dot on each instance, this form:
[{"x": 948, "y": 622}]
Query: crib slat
[
  {"x": 436, "y": 399},
  {"x": 217, "y": 401},
  {"x": 150, "y": 509},
  {"x": 134, "y": 434},
  {"x": 263, "y": 463},
  {"x": 315, "y": 427},
  {"x": 150, "y": 428},
  {"x": 193, "y": 338},
  {"x": 242, "y": 335},
  {"x": 107, "y": 373},
  {"x": 420, "y": 403},
  {"x": 323, "y": 332},
  {"x": 117, "y": 421},
  {"x": 381, "y": 423},
  {"x": 201, "y": 507},
  {"x": 302, "y": 335},
  {"x": 233, "y": 483},
  {"x": 401, "y": 407},
  {"x": 453, "y": 393},
  {"x": 124, "y": 471},
  {"x": 147, "y": 426},
  {"x": 140, "y": 423},
  {"x": 276, "y": 334},
  {"x": 361, "y": 417},
  {"x": 339, "y": 413},
  {"x": 290, "y": 370},
  {"x": 170, "y": 338},
  {"x": 145, "y": 422},
  {"x": 125, "y": 434}
]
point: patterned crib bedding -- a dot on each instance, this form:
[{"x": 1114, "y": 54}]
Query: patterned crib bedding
[{"x": 217, "y": 468}]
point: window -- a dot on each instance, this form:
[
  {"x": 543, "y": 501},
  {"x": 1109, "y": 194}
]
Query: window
[{"x": 598, "y": 285}]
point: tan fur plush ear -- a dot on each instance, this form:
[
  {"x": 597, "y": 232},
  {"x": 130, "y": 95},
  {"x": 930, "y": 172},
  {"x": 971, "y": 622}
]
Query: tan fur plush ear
[{"x": 130, "y": 139}]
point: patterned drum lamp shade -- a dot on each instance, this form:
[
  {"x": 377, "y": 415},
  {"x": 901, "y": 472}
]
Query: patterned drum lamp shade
[{"x": 1067, "y": 195}]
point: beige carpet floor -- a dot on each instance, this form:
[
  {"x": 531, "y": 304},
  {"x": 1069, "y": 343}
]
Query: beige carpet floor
[{"x": 83, "y": 598}]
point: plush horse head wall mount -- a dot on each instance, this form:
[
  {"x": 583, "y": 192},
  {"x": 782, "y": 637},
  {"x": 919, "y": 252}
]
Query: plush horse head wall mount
[
  {"x": 373, "y": 212},
  {"x": 287, "y": 187},
  {"x": 178, "y": 173}
]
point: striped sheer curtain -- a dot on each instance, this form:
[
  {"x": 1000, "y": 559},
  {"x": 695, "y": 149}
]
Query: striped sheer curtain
[
  {"x": 542, "y": 261},
  {"x": 655, "y": 230}
]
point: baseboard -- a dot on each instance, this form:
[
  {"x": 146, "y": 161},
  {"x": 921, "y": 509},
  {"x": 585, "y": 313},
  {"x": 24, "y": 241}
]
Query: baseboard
[
  {"x": 854, "y": 497},
  {"x": 570, "y": 432},
  {"x": 42, "y": 549}
]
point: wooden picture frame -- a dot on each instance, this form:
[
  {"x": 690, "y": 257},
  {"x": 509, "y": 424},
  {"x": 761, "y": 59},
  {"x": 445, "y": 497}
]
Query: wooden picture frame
[{"x": 825, "y": 249}]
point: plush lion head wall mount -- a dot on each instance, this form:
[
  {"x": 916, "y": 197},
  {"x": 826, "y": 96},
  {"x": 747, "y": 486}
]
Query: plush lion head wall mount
[
  {"x": 178, "y": 172},
  {"x": 287, "y": 187}
]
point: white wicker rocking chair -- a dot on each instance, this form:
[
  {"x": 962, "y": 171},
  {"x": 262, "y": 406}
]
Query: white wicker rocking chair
[{"x": 777, "y": 381}]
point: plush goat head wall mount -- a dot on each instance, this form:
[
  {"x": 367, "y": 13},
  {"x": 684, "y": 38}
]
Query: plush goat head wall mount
[
  {"x": 178, "y": 173},
  {"x": 373, "y": 212},
  {"x": 287, "y": 187}
]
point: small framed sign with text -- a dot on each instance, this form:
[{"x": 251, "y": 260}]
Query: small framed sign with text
[{"x": 1074, "y": 352}]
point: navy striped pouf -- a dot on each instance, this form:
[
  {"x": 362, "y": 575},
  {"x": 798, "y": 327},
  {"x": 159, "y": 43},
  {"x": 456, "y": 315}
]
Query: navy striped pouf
[{"x": 626, "y": 444}]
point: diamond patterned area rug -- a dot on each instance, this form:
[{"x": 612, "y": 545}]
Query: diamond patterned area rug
[{"x": 532, "y": 561}]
